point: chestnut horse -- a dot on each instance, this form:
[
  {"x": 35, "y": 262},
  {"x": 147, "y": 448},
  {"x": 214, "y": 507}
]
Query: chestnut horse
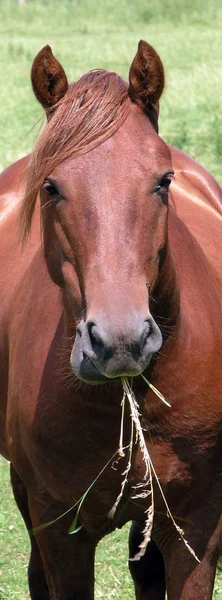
[{"x": 116, "y": 268}]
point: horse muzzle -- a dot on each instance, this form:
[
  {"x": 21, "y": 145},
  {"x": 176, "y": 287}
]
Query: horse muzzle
[{"x": 102, "y": 353}]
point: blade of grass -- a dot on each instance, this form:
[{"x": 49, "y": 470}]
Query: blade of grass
[
  {"x": 79, "y": 503},
  {"x": 156, "y": 391}
]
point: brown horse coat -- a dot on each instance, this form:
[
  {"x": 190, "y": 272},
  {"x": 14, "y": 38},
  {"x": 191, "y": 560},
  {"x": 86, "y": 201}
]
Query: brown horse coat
[{"x": 58, "y": 433}]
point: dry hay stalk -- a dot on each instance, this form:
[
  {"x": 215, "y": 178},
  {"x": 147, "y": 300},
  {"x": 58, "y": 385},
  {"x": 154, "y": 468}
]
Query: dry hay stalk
[
  {"x": 147, "y": 485},
  {"x": 143, "y": 489}
]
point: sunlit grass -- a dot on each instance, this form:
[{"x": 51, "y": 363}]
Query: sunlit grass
[{"x": 87, "y": 35}]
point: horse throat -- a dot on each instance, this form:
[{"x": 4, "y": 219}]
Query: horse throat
[{"x": 165, "y": 296}]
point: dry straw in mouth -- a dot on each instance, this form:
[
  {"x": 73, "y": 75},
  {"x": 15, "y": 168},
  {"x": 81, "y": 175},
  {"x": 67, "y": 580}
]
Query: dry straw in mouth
[
  {"x": 150, "y": 472},
  {"x": 143, "y": 489}
]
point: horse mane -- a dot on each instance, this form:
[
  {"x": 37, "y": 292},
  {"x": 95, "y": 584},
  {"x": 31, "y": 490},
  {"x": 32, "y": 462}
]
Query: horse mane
[{"x": 92, "y": 110}]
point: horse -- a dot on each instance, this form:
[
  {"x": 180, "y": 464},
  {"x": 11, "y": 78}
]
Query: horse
[{"x": 111, "y": 269}]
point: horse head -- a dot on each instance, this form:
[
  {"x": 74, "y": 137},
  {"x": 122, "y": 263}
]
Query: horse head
[{"x": 103, "y": 173}]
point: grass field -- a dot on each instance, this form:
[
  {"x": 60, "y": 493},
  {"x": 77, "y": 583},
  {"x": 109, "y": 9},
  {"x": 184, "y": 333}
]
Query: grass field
[
  {"x": 84, "y": 35},
  {"x": 94, "y": 34}
]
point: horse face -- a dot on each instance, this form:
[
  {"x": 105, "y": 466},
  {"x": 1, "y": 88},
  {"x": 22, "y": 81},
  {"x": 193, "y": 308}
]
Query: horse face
[
  {"x": 107, "y": 227},
  {"x": 110, "y": 220}
]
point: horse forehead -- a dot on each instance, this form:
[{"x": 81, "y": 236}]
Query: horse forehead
[
  {"x": 134, "y": 145},
  {"x": 135, "y": 148},
  {"x": 138, "y": 142}
]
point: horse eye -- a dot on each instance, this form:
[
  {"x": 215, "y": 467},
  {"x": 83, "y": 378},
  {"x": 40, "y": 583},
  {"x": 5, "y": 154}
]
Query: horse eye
[
  {"x": 50, "y": 188},
  {"x": 53, "y": 193},
  {"x": 164, "y": 184}
]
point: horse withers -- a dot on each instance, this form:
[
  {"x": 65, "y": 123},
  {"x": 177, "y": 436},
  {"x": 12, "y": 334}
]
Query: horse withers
[{"x": 115, "y": 272}]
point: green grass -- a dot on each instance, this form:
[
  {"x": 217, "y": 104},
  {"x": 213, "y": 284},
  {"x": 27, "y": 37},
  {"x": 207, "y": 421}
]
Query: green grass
[
  {"x": 89, "y": 34},
  {"x": 96, "y": 33},
  {"x": 112, "y": 575}
]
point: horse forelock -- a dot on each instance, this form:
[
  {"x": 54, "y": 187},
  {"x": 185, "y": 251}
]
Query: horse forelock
[{"x": 92, "y": 110}]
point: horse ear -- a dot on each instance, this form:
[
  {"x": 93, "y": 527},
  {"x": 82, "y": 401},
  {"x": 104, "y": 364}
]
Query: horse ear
[
  {"x": 146, "y": 77},
  {"x": 48, "y": 78}
]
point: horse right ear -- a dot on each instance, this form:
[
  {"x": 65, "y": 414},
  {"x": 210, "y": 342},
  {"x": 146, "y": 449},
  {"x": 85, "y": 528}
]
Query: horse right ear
[
  {"x": 48, "y": 78},
  {"x": 146, "y": 80}
]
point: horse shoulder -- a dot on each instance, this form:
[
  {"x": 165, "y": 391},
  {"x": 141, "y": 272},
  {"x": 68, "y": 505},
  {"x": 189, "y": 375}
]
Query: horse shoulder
[
  {"x": 14, "y": 260},
  {"x": 197, "y": 199},
  {"x": 193, "y": 175},
  {"x": 12, "y": 187}
]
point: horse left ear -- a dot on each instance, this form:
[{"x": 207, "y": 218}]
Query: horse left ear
[
  {"x": 146, "y": 77},
  {"x": 48, "y": 78}
]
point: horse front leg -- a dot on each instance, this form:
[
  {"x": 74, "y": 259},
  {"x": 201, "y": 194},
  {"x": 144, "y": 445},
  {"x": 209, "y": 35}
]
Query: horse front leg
[
  {"x": 188, "y": 582},
  {"x": 186, "y": 579},
  {"x": 68, "y": 560},
  {"x": 36, "y": 575}
]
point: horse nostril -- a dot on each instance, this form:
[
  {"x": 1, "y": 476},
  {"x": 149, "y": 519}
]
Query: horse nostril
[
  {"x": 145, "y": 335},
  {"x": 100, "y": 348},
  {"x": 93, "y": 332},
  {"x": 95, "y": 339},
  {"x": 90, "y": 325}
]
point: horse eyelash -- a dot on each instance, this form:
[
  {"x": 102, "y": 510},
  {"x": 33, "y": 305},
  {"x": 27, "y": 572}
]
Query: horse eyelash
[
  {"x": 56, "y": 197},
  {"x": 51, "y": 201},
  {"x": 53, "y": 192}
]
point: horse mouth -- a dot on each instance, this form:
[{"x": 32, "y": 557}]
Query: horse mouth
[{"x": 89, "y": 373}]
